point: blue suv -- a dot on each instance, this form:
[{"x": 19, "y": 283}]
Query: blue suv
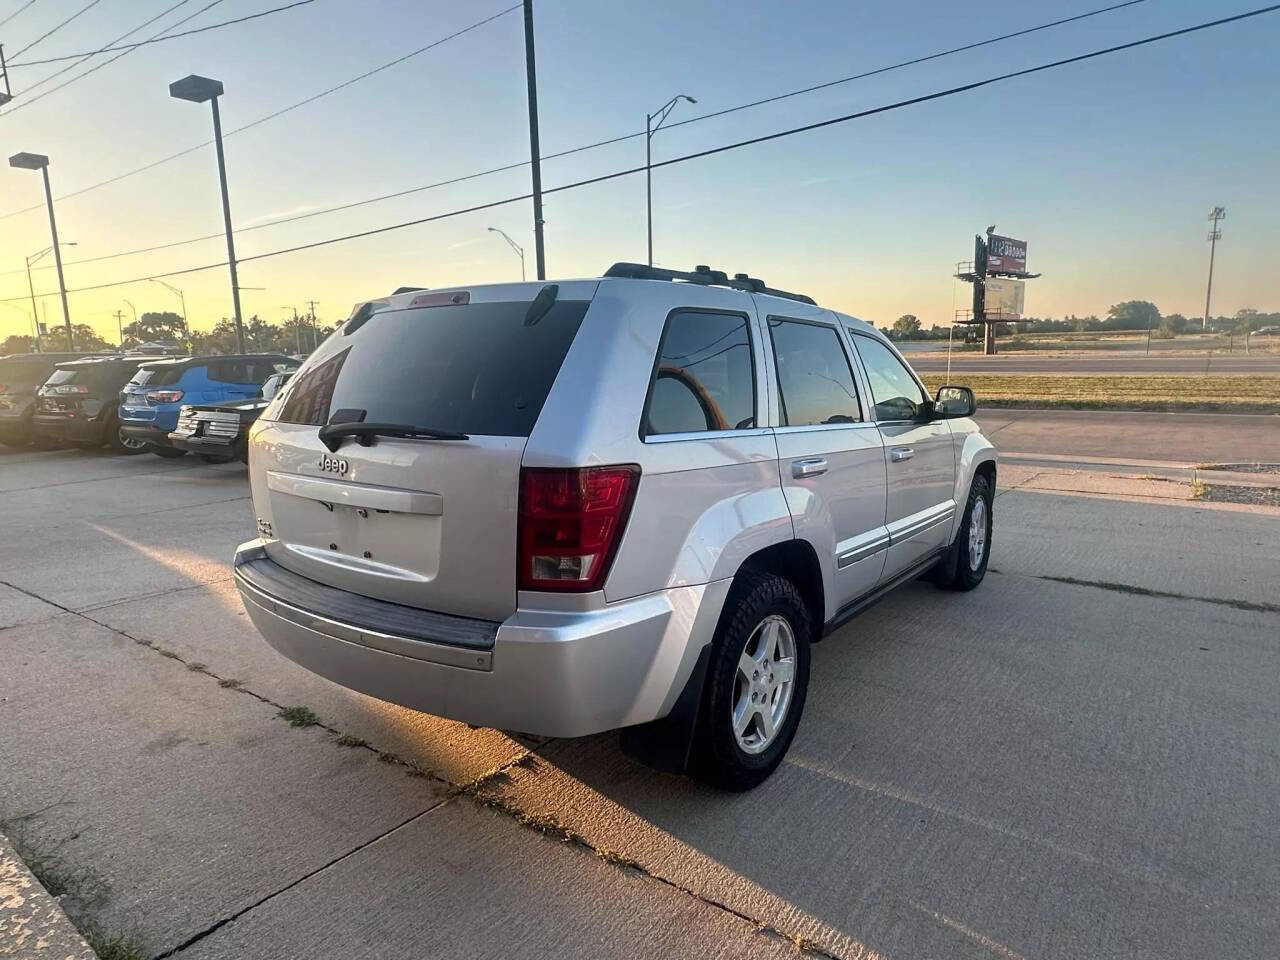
[{"x": 149, "y": 403}]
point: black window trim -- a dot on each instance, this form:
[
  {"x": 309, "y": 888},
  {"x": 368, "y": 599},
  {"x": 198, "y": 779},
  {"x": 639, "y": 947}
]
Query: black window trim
[
  {"x": 653, "y": 374},
  {"x": 893, "y": 350},
  {"x": 854, "y": 371}
]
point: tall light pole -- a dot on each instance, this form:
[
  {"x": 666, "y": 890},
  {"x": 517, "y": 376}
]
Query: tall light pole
[
  {"x": 186, "y": 330},
  {"x": 535, "y": 155},
  {"x": 34, "y": 258},
  {"x": 197, "y": 89},
  {"x": 38, "y": 161},
  {"x": 514, "y": 246},
  {"x": 1216, "y": 214},
  {"x": 297, "y": 329},
  {"x": 650, "y": 128},
  {"x": 135, "y": 320}
]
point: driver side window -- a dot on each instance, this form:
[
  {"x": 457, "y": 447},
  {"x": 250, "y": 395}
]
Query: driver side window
[{"x": 894, "y": 390}]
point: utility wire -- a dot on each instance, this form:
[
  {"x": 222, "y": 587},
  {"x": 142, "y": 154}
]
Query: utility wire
[
  {"x": 550, "y": 156},
  {"x": 723, "y": 148},
  {"x": 171, "y": 36},
  {"x": 45, "y": 36},
  {"x": 272, "y": 116},
  {"x": 96, "y": 67},
  {"x": 16, "y": 12},
  {"x": 83, "y": 57}
]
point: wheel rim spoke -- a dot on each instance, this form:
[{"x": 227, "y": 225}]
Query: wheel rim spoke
[
  {"x": 747, "y": 667},
  {"x": 763, "y": 685},
  {"x": 784, "y": 670}
]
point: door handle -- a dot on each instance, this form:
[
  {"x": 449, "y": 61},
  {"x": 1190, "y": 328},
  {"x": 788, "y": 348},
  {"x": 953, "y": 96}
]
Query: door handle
[
  {"x": 898, "y": 454},
  {"x": 812, "y": 467}
]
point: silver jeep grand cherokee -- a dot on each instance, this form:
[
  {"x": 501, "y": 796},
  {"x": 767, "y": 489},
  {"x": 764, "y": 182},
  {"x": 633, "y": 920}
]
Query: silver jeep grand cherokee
[{"x": 626, "y": 502}]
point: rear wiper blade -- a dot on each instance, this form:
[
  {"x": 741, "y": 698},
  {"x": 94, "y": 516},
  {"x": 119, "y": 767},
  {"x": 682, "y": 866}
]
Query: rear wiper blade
[{"x": 332, "y": 434}]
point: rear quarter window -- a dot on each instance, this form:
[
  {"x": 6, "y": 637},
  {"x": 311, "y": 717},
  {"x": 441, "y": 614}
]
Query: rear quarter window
[
  {"x": 704, "y": 377},
  {"x": 475, "y": 368}
]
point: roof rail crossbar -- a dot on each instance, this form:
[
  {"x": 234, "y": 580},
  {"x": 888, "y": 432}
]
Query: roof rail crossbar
[{"x": 701, "y": 274}]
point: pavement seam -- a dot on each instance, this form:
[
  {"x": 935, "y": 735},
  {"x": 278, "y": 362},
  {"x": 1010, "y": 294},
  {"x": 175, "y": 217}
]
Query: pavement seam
[
  {"x": 1250, "y": 606},
  {"x": 121, "y": 476},
  {"x": 219, "y": 924},
  {"x": 473, "y": 790}
]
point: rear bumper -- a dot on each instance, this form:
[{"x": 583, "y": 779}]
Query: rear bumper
[
  {"x": 205, "y": 445},
  {"x": 560, "y": 673},
  {"x": 149, "y": 432},
  {"x": 67, "y": 429}
]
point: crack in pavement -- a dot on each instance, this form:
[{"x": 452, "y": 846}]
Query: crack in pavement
[
  {"x": 473, "y": 790},
  {"x": 219, "y": 924},
  {"x": 1250, "y": 606}
]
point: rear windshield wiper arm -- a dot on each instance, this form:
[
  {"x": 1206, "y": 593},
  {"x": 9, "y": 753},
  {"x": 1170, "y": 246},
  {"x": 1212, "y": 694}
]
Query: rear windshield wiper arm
[{"x": 332, "y": 434}]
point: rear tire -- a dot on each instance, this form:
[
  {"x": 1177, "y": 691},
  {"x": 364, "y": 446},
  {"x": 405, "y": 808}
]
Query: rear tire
[
  {"x": 757, "y": 680},
  {"x": 119, "y": 443},
  {"x": 169, "y": 453},
  {"x": 973, "y": 542}
]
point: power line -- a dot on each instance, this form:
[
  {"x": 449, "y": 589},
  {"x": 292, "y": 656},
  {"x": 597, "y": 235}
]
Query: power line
[
  {"x": 723, "y": 148},
  {"x": 551, "y": 156},
  {"x": 45, "y": 36},
  {"x": 16, "y": 12},
  {"x": 96, "y": 67},
  {"x": 71, "y": 66},
  {"x": 172, "y": 36},
  {"x": 192, "y": 149}
]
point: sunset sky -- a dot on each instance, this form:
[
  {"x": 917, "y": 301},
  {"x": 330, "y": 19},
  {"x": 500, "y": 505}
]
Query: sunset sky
[{"x": 1107, "y": 168}]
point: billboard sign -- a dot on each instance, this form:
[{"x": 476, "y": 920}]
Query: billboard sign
[
  {"x": 1006, "y": 255},
  {"x": 1004, "y": 299}
]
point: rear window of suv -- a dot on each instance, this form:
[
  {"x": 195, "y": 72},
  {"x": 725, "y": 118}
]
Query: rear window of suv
[
  {"x": 18, "y": 375},
  {"x": 476, "y": 368},
  {"x": 159, "y": 376}
]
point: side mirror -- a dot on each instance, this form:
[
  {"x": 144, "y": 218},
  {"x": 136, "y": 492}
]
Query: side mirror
[{"x": 952, "y": 402}]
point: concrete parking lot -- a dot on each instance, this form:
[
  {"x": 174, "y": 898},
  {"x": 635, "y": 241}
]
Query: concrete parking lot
[{"x": 1079, "y": 759}]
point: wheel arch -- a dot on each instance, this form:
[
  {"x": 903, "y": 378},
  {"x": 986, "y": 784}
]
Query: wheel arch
[{"x": 796, "y": 561}]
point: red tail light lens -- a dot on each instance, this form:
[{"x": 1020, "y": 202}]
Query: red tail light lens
[
  {"x": 164, "y": 396},
  {"x": 570, "y": 524}
]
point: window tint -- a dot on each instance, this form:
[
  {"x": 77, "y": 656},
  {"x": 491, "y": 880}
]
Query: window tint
[
  {"x": 160, "y": 377},
  {"x": 704, "y": 378},
  {"x": 231, "y": 371},
  {"x": 475, "y": 368},
  {"x": 814, "y": 380},
  {"x": 894, "y": 391}
]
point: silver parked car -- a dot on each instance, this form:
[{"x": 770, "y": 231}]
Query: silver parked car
[{"x": 625, "y": 502}]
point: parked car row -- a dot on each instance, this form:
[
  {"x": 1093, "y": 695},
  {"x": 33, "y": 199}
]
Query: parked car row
[{"x": 169, "y": 407}]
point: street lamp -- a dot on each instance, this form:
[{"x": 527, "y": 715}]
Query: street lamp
[
  {"x": 34, "y": 258},
  {"x": 650, "y": 128},
  {"x": 38, "y": 161},
  {"x": 199, "y": 90},
  {"x": 514, "y": 246},
  {"x": 186, "y": 331}
]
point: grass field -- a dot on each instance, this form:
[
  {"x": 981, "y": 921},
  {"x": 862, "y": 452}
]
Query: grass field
[{"x": 1238, "y": 394}]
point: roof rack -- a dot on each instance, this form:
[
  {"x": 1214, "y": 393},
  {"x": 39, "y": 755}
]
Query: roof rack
[{"x": 704, "y": 275}]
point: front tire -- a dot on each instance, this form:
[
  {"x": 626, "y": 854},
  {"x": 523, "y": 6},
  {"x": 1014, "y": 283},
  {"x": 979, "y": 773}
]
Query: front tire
[
  {"x": 756, "y": 685},
  {"x": 973, "y": 542}
]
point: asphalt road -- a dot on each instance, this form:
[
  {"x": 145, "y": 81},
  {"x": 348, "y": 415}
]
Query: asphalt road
[
  {"x": 1100, "y": 363},
  {"x": 1037, "y": 769}
]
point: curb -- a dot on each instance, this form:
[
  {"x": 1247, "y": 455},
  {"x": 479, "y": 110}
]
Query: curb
[
  {"x": 1160, "y": 469},
  {"x": 32, "y": 924}
]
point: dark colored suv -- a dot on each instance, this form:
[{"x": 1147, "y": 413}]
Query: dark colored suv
[
  {"x": 20, "y": 375},
  {"x": 77, "y": 405},
  {"x": 150, "y": 402}
]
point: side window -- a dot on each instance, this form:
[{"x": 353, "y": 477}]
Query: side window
[
  {"x": 894, "y": 391},
  {"x": 815, "y": 382},
  {"x": 704, "y": 378}
]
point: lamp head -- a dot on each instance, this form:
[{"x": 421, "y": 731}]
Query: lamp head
[
  {"x": 29, "y": 161},
  {"x": 195, "y": 88}
]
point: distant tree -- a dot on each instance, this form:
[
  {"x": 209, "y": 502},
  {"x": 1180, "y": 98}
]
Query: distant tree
[
  {"x": 221, "y": 339},
  {"x": 1132, "y": 315},
  {"x": 1174, "y": 323},
  {"x": 906, "y": 326},
  {"x": 17, "y": 343},
  {"x": 155, "y": 326}
]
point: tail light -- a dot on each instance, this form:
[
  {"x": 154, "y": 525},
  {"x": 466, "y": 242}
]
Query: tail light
[
  {"x": 164, "y": 396},
  {"x": 571, "y": 521}
]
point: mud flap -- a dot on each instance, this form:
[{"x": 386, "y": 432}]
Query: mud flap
[{"x": 666, "y": 744}]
